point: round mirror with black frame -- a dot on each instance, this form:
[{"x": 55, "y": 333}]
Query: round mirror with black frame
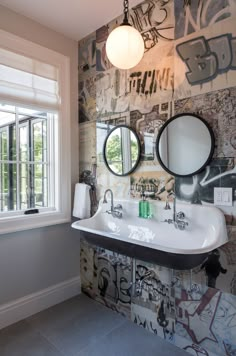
[
  {"x": 122, "y": 150},
  {"x": 185, "y": 145}
]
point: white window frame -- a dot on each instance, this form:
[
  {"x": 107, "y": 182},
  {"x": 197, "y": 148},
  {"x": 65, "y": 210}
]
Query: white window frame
[{"x": 17, "y": 221}]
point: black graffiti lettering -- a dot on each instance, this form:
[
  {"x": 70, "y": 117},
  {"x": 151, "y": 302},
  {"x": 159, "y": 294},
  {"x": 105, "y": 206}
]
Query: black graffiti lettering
[
  {"x": 143, "y": 85},
  {"x": 152, "y": 20},
  {"x": 147, "y": 82},
  {"x": 150, "y": 39},
  {"x": 152, "y": 81},
  {"x": 152, "y": 36},
  {"x": 138, "y": 85},
  {"x": 206, "y": 59},
  {"x": 142, "y": 18},
  {"x": 111, "y": 281}
]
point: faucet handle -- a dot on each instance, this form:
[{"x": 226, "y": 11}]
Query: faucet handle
[
  {"x": 180, "y": 215},
  {"x": 118, "y": 207},
  {"x": 117, "y": 214},
  {"x": 181, "y": 224},
  {"x": 169, "y": 221},
  {"x": 167, "y": 206}
]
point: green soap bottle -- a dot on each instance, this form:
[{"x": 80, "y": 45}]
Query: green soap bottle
[{"x": 144, "y": 207}]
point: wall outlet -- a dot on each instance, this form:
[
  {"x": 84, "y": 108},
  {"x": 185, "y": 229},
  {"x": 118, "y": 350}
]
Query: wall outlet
[{"x": 223, "y": 196}]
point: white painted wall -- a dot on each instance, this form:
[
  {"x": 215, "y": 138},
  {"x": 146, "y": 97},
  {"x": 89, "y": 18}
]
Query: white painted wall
[{"x": 37, "y": 259}]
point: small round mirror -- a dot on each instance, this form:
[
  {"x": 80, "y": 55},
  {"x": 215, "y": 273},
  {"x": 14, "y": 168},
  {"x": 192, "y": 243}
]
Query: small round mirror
[
  {"x": 121, "y": 150},
  {"x": 185, "y": 145}
]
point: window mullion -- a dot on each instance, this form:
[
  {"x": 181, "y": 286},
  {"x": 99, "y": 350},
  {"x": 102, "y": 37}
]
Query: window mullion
[
  {"x": 1, "y": 171},
  {"x": 43, "y": 177},
  {"x": 31, "y": 165},
  {"x": 17, "y": 161},
  {"x": 10, "y": 169},
  {"x": 51, "y": 160}
]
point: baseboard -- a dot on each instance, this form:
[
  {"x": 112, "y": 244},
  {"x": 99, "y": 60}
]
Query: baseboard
[{"x": 31, "y": 304}]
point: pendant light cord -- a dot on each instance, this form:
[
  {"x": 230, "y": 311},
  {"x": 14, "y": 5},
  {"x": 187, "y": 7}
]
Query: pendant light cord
[{"x": 126, "y": 13}]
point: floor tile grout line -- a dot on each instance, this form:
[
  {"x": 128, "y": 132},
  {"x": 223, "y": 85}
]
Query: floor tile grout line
[
  {"x": 40, "y": 331},
  {"x": 101, "y": 337},
  {"x": 36, "y": 329},
  {"x": 89, "y": 344}
]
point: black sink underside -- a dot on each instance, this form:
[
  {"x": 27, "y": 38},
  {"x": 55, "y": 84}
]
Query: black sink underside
[{"x": 161, "y": 258}]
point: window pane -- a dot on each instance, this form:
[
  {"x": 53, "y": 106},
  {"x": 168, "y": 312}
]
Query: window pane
[
  {"x": 24, "y": 159},
  {"x": 40, "y": 183},
  {"x": 6, "y": 118},
  {"x": 4, "y": 174},
  {"x": 24, "y": 196},
  {"x": 4, "y": 144},
  {"x": 12, "y": 143},
  {"x": 8, "y": 187},
  {"x": 24, "y": 142},
  {"x": 38, "y": 141}
]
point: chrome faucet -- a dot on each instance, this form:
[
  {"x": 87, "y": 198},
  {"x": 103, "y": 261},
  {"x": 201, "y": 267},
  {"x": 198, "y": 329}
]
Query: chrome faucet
[
  {"x": 174, "y": 204},
  {"x": 177, "y": 220},
  {"x": 114, "y": 211}
]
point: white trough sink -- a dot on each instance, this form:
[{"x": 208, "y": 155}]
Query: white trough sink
[{"x": 206, "y": 228}]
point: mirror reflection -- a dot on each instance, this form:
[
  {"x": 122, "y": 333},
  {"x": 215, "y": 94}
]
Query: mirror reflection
[
  {"x": 185, "y": 145},
  {"x": 121, "y": 150}
]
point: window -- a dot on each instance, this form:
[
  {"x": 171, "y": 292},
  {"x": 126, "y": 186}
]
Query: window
[
  {"x": 34, "y": 135},
  {"x": 25, "y": 158}
]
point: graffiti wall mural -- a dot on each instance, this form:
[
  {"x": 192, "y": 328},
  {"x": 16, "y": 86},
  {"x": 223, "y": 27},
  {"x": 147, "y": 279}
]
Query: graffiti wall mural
[
  {"x": 206, "y": 60},
  {"x": 147, "y": 126},
  {"x": 87, "y": 79},
  {"x": 189, "y": 65},
  {"x": 171, "y": 304},
  {"x": 106, "y": 277},
  {"x": 155, "y": 21},
  {"x": 201, "y": 14}
]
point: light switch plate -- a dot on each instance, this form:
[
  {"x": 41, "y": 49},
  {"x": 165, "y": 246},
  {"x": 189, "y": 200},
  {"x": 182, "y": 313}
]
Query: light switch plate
[{"x": 223, "y": 196}]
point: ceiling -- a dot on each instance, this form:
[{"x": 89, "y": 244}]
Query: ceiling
[{"x": 72, "y": 18}]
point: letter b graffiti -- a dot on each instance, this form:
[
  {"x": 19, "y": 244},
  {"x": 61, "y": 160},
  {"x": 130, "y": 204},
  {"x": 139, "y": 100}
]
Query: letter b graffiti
[{"x": 201, "y": 63}]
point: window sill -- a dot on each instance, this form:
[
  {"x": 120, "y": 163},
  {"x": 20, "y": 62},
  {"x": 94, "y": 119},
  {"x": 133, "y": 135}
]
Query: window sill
[{"x": 29, "y": 222}]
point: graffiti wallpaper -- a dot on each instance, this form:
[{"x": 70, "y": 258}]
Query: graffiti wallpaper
[{"x": 189, "y": 65}]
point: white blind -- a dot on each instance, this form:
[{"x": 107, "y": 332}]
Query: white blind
[{"x": 28, "y": 81}]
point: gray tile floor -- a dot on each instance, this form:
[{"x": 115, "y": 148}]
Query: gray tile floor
[{"x": 81, "y": 327}]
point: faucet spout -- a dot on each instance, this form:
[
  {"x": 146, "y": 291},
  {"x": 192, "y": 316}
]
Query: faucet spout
[
  {"x": 174, "y": 204},
  {"x": 105, "y": 198},
  {"x": 115, "y": 211},
  {"x": 178, "y": 221}
]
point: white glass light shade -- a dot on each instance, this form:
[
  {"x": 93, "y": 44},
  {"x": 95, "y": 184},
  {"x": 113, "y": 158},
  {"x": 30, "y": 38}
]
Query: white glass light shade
[{"x": 125, "y": 47}]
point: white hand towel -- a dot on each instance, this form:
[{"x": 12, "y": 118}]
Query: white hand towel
[{"x": 82, "y": 203}]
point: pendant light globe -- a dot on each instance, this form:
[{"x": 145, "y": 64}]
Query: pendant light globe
[{"x": 125, "y": 47}]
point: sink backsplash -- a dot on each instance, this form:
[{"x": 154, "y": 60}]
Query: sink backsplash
[{"x": 179, "y": 306}]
